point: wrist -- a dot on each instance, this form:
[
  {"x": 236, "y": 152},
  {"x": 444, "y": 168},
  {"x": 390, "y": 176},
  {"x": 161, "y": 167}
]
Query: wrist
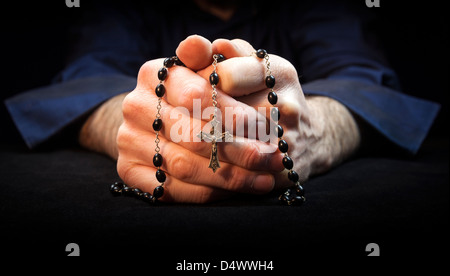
[
  {"x": 99, "y": 132},
  {"x": 338, "y": 131}
]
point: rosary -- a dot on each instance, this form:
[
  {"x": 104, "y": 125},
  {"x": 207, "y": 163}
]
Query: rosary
[{"x": 292, "y": 196}]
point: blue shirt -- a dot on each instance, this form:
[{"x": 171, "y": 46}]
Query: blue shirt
[{"x": 326, "y": 41}]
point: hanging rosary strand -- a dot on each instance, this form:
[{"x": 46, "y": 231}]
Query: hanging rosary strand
[
  {"x": 291, "y": 196},
  {"x": 215, "y": 135},
  {"x": 119, "y": 188}
]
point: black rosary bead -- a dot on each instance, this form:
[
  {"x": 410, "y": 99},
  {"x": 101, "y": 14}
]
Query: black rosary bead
[
  {"x": 290, "y": 197},
  {"x": 160, "y": 90},
  {"x": 288, "y": 163},
  {"x": 284, "y": 198},
  {"x": 162, "y": 74},
  {"x": 161, "y": 176},
  {"x": 293, "y": 176},
  {"x": 157, "y": 124},
  {"x": 275, "y": 114},
  {"x": 136, "y": 192},
  {"x": 116, "y": 191},
  {"x": 283, "y": 146},
  {"x": 279, "y": 131},
  {"x": 116, "y": 188},
  {"x": 146, "y": 196},
  {"x": 214, "y": 78},
  {"x": 297, "y": 200},
  {"x": 272, "y": 98},
  {"x": 220, "y": 58},
  {"x": 270, "y": 81},
  {"x": 169, "y": 62},
  {"x": 117, "y": 184},
  {"x": 127, "y": 191},
  {"x": 299, "y": 190},
  {"x": 157, "y": 160},
  {"x": 158, "y": 191},
  {"x": 178, "y": 62},
  {"x": 261, "y": 53},
  {"x": 121, "y": 189}
]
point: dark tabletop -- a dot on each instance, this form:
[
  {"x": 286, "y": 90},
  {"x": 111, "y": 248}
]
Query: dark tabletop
[{"x": 51, "y": 198}]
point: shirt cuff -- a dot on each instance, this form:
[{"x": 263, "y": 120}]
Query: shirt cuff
[
  {"x": 41, "y": 113},
  {"x": 403, "y": 119}
]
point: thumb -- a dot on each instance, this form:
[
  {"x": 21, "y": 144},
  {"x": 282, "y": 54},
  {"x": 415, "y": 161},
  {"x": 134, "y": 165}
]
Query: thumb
[
  {"x": 195, "y": 52},
  {"x": 232, "y": 48}
]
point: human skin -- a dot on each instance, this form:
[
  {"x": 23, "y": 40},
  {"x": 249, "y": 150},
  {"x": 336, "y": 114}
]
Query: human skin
[{"x": 320, "y": 131}]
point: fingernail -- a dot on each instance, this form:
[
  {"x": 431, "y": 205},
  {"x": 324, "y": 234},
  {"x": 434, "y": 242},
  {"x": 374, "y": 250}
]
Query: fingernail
[{"x": 263, "y": 183}]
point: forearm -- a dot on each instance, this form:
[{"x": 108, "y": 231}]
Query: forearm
[{"x": 99, "y": 132}]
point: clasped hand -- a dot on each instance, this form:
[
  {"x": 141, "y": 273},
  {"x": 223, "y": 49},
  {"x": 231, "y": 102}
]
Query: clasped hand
[{"x": 248, "y": 166}]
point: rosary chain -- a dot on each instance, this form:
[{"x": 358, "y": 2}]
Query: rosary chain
[
  {"x": 214, "y": 91},
  {"x": 267, "y": 61},
  {"x": 287, "y": 197},
  {"x": 158, "y": 116}
]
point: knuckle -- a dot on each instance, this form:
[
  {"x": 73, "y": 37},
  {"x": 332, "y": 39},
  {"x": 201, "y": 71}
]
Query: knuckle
[
  {"x": 147, "y": 72},
  {"x": 131, "y": 105},
  {"x": 290, "y": 110},
  {"x": 196, "y": 146},
  {"x": 125, "y": 170},
  {"x": 137, "y": 105},
  {"x": 251, "y": 156},
  {"x": 182, "y": 167},
  {"x": 196, "y": 194},
  {"x": 237, "y": 181},
  {"x": 189, "y": 92},
  {"x": 205, "y": 196},
  {"x": 290, "y": 72},
  {"x": 286, "y": 70},
  {"x": 239, "y": 121},
  {"x": 125, "y": 138},
  {"x": 226, "y": 82},
  {"x": 122, "y": 137}
]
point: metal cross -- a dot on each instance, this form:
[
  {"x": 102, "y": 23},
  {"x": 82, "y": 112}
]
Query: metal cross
[{"x": 214, "y": 136}]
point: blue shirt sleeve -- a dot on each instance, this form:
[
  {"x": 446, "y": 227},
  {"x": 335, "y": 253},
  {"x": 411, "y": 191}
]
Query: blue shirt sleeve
[
  {"x": 108, "y": 51},
  {"x": 403, "y": 119},
  {"x": 330, "y": 47},
  {"x": 341, "y": 61},
  {"x": 43, "y": 112}
]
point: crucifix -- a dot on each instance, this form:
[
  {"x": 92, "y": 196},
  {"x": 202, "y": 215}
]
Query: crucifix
[{"x": 214, "y": 136}]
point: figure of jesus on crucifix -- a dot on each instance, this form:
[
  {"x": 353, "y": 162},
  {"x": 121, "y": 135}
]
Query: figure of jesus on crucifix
[{"x": 215, "y": 135}]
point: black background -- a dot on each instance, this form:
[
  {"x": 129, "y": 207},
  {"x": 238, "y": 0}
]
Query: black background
[{"x": 415, "y": 37}]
